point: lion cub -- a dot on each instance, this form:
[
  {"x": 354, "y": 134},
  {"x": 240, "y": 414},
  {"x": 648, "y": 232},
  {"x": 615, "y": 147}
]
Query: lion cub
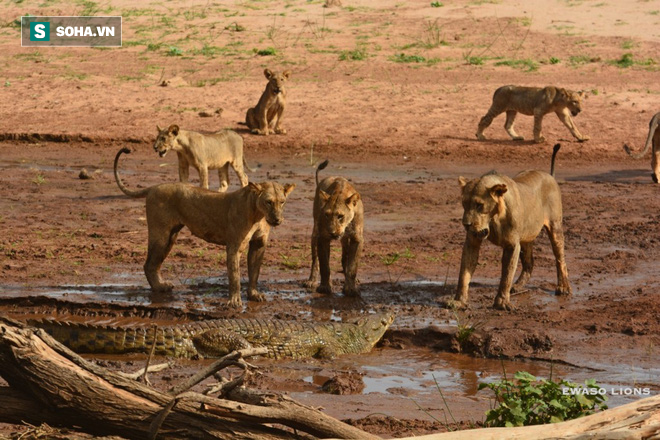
[
  {"x": 511, "y": 213},
  {"x": 266, "y": 117},
  {"x": 537, "y": 102},
  {"x": 338, "y": 214},
  {"x": 217, "y": 151},
  {"x": 239, "y": 220}
]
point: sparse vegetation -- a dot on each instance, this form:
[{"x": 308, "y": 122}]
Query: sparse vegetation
[
  {"x": 526, "y": 64},
  {"x": 358, "y": 54}
]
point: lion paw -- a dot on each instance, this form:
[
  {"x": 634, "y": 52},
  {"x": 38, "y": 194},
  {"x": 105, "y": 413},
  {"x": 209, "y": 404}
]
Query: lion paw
[
  {"x": 309, "y": 284},
  {"x": 324, "y": 288},
  {"x": 235, "y": 301},
  {"x": 280, "y": 131},
  {"x": 456, "y": 304},
  {"x": 501, "y": 304},
  {"x": 563, "y": 290},
  {"x": 539, "y": 140},
  {"x": 517, "y": 138},
  {"x": 351, "y": 291},
  {"x": 584, "y": 139},
  {"x": 162, "y": 287},
  {"x": 254, "y": 295},
  {"x": 655, "y": 178},
  {"x": 481, "y": 137}
]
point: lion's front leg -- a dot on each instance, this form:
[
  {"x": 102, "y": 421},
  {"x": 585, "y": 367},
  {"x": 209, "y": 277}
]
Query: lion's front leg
[
  {"x": 510, "y": 256},
  {"x": 323, "y": 250},
  {"x": 655, "y": 159},
  {"x": 351, "y": 250},
  {"x": 469, "y": 260},
  {"x": 256, "y": 253},
  {"x": 184, "y": 168},
  {"x": 278, "y": 117},
  {"x": 234, "y": 275},
  {"x": 565, "y": 117},
  {"x": 223, "y": 176}
]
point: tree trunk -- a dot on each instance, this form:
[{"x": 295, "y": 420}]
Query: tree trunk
[{"x": 78, "y": 393}]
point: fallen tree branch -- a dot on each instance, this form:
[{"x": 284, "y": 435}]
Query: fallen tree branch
[{"x": 82, "y": 394}]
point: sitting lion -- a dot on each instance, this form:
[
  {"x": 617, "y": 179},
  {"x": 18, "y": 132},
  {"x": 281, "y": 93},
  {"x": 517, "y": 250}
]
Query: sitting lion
[
  {"x": 652, "y": 138},
  {"x": 534, "y": 101},
  {"x": 338, "y": 214},
  {"x": 238, "y": 219},
  {"x": 511, "y": 214},
  {"x": 217, "y": 151},
  {"x": 266, "y": 117}
]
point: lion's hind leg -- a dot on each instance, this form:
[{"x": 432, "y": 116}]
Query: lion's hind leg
[
  {"x": 223, "y": 176},
  {"x": 655, "y": 156},
  {"x": 160, "y": 245},
  {"x": 485, "y": 122},
  {"x": 556, "y": 234},
  {"x": 508, "y": 125}
]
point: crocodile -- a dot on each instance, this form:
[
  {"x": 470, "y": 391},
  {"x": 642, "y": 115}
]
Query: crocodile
[{"x": 218, "y": 337}]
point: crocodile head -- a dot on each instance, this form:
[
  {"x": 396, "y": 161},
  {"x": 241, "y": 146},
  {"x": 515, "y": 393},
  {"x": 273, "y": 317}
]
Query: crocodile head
[{"x": 362, "y": 335}]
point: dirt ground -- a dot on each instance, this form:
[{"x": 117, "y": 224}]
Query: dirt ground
[{"x": 391, "y": 93}]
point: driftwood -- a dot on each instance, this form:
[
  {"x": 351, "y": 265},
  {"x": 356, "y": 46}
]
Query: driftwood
[
  {"x": 639, "y": 420},
  {"x": 64, "y": 389}
]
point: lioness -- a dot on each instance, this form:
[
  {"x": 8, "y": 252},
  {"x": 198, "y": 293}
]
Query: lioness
[
  {"x": 652, "y": 138},
  {"x": 338, "y": 214},
  {"x": 511, "y": 213},
  {"x": 205, "y": 152},
  {"x": 534, "y": 101},
  {"x": 235, "y": 219},
  {"x": 266, "y": 117}
]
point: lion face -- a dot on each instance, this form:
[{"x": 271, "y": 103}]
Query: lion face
[
  {"x": 482, "y": 200},
  {"x": 276, "y": 80},
  {"x": 271, "y": 199},
  {"x": 573, "y": 101},
  {"x": 166, "y": 139},
  {"x": 338, "y": 212}
]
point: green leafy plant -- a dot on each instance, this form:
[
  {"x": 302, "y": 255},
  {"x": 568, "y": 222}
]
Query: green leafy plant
[
  {"x": 527, "y": 65},
  {"x": 269, "y": 51},
  {"x": 357, "y": 54},
  {"x": 528, "y": 400},
  {"x": 554, "y": 60},
  {"x": 403, "y": 58},
  {"x": 436, "y": 4},
  {"x": 174, "y": 51}
]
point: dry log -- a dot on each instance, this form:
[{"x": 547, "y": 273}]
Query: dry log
[
  {"x": 633, "y": 421},
  {"x": 102, "y": 402}
]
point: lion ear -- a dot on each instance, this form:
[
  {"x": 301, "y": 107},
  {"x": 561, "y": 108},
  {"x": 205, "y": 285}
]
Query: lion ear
[
  {"x": 582, "y": 94},
  {"x": 286, "y": 74},
  {"x": 498, "y": 190},
  {"x": 288, "y": 188},
  {"x": 352, "y": 200},
  {"x": 255, "y": 187},
  {"x": 268, "y": 73},
  {"x": 158, "y": 128},
  {"x": 324, "y": 195},
  {"x": 174, "y": 129},
  {"x": 462, "y": 181}
]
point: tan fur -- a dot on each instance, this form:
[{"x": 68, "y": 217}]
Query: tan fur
[
  {"x": 266, "y": 117},
  {"x": 653, "y": 138},
  {"x": 338, "y": 215},
  {"x": 537, "y": 102},
  {"x": 204, "y": 152},
  {"x": 237, "y": 220},
  {"x": 511, "y": 213}
]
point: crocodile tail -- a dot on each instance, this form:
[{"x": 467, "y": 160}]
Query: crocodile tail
[
  {"x": 120, "y": 184},
  {"x": 321, "y": 166},
  {"x": 653, "y": 126},
  {"x": 555, "y": 150}
]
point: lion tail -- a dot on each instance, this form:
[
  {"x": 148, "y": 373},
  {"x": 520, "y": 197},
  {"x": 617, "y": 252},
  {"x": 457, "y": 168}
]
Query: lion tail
[
  {"x": 555, "y": 150},
  {"x": 247, "y": 167},
  {"x": 321, "y": 166},
  {"x": 120, "y": 184},
  {"x": 653, "y": 125}
]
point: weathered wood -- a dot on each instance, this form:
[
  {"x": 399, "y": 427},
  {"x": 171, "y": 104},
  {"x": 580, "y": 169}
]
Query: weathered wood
[
  {"x": 101, "y": 402},
  {"x": 633, "y": 421}
]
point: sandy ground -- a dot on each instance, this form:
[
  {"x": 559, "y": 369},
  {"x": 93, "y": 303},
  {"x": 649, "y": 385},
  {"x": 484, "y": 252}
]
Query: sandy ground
[{"x": 391, "y": 93}]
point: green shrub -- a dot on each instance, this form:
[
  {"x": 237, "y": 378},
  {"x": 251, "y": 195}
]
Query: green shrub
[{"x": 530, "y": 401}]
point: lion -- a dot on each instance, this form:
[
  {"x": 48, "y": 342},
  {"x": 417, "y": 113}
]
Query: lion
[
  {"x": 239, "y": 220},
  {"x": 511, "y": 213},
  {"x": 266, "y": 117},
  {"x": 204, "y": 152},
  {"x": 652, "y": 138},
  {"x": 338, "y": 215},
  {"x": 534, "y": 101}
]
